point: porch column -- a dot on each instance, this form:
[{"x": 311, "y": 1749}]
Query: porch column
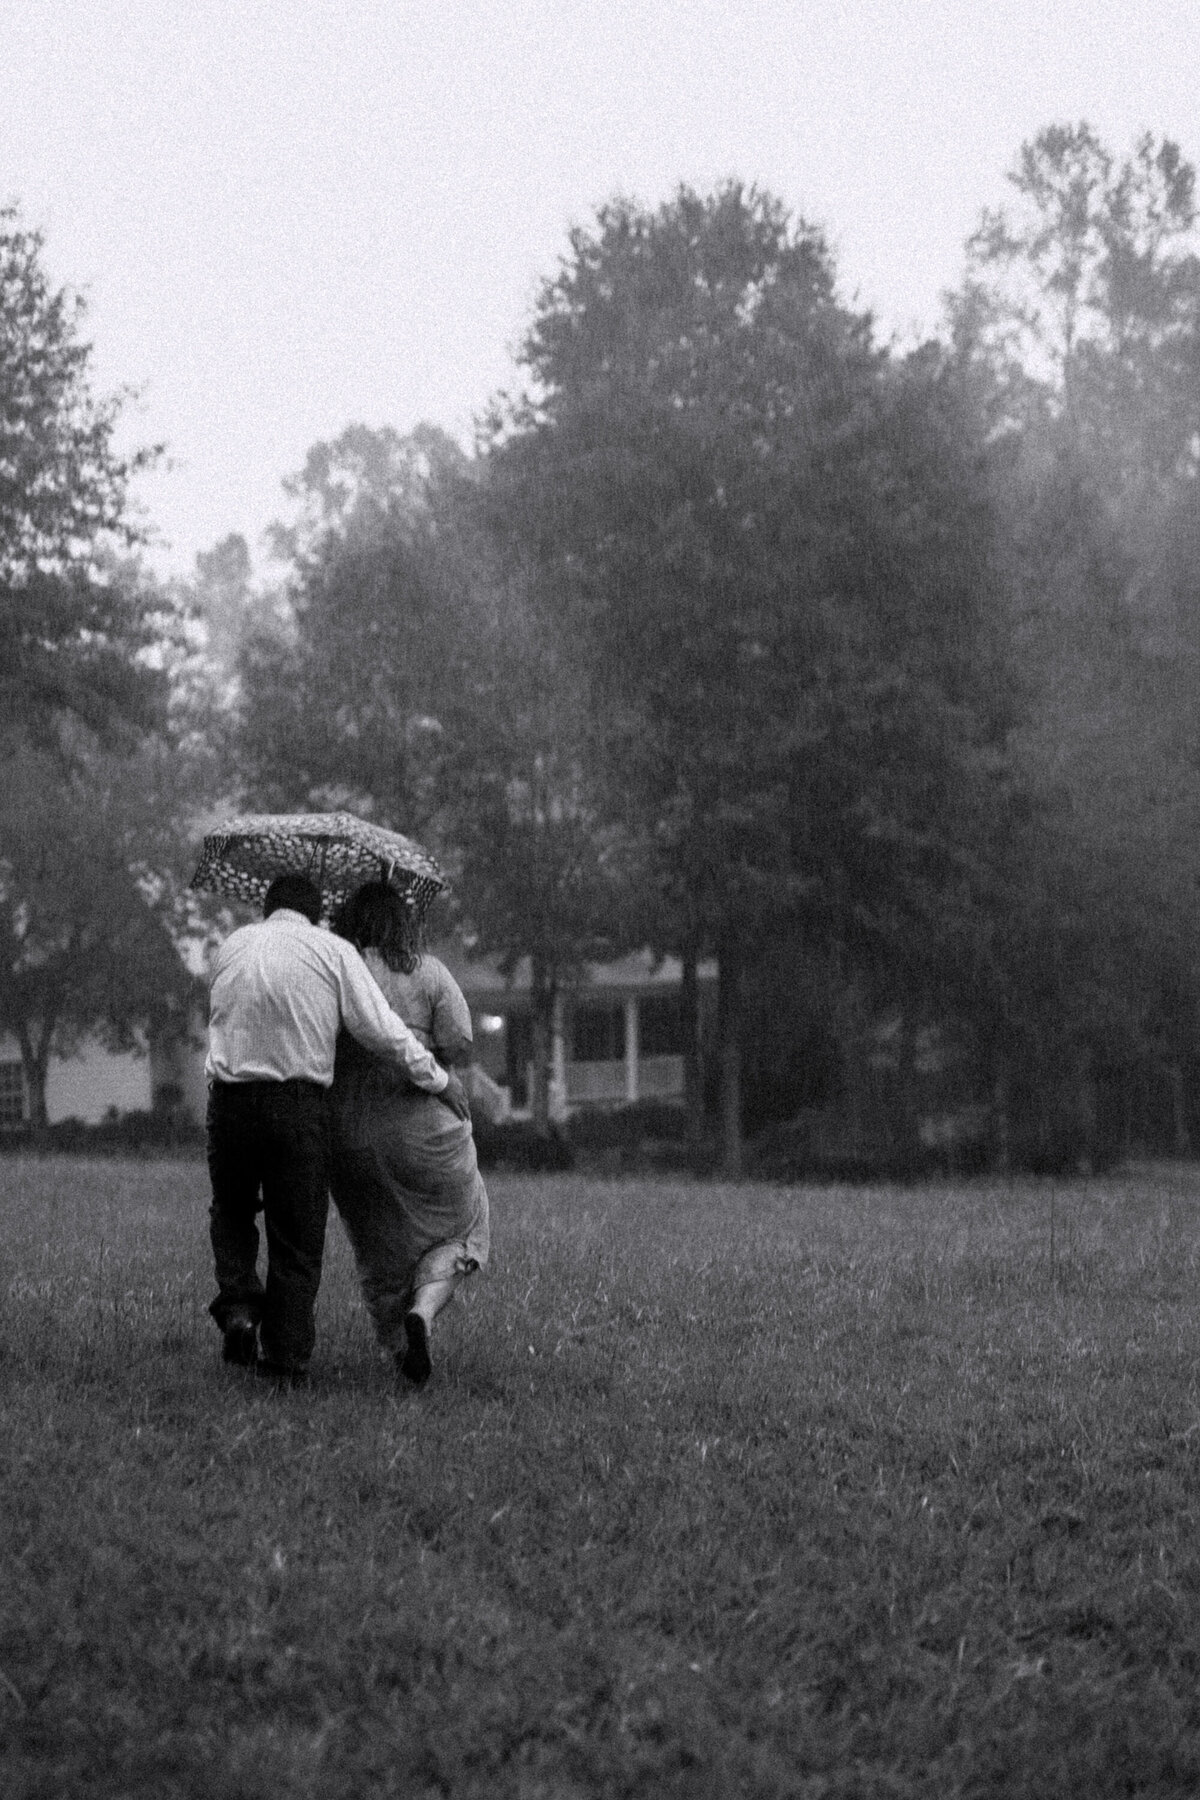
[
  {"x": 631, "y": 1047},
  {"x": 558, "y": 1063}
]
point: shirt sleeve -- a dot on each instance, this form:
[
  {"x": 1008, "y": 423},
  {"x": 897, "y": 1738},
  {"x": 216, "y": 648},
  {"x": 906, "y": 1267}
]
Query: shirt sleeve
[
  {"x": 368, "y": 1017},
  {"x": 452, "y": 1034}
]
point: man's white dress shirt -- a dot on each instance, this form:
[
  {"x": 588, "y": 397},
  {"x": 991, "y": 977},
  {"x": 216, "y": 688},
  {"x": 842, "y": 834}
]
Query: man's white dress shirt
[{"x": 280, "y": 989}]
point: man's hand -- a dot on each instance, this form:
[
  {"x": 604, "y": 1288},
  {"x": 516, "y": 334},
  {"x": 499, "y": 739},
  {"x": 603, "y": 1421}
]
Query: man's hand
[{"x": 454, "y": 1094}]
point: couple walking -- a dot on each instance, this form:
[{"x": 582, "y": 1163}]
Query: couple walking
[{"x": 331, "y": 1070}]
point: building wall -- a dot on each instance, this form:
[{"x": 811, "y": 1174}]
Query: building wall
[
  {"x": 89, "y": 1085},
  {"x": 95, "y": 1082}
]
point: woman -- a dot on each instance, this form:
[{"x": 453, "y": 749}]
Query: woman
[{"x": 404, "y": 1175}]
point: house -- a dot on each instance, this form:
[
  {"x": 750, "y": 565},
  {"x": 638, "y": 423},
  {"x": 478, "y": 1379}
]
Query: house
[
  {"x": 618, "y": 1037},
  {"x": 94, "y": 1082}
]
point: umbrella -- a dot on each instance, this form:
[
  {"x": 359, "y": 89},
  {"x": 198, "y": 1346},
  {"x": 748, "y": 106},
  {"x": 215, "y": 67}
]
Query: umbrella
[{"x": 243, "y": 856}]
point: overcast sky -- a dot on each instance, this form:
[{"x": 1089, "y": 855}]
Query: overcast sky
[{"x": 288, "y": 215}]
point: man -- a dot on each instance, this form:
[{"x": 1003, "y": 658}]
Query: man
[{"x": 280, "y": 990}]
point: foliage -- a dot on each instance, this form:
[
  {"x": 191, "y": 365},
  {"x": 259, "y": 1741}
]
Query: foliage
[
  {"x": 715, "y": 1491},
  {"x": 520, "y": 1144},
  {"x": 1084, "y": 296},
  {"x": 774, "y": 552},
  {"x": 163, "y": 1131},
  {"x": 86, "y": 902},
  {"x": 1079, "y": 326},
  {"x": 68, "y": 627},
  {"x": 633, "y": 481},
  {"x": 343, "y": 698},
  {"x": 87, "y": 644},
  {"x": 364, "y": 476},
  {"x": 745, "y": 630},
  {"x": 414, "y": 685},
  {"x": 544, "y": 872},
  {"x": 222, "y": 595}
]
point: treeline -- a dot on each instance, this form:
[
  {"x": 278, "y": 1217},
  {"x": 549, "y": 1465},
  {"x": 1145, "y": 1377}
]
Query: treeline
[
  {"x": 93, "y": 794},
  {"x": 867, "y": 674}
]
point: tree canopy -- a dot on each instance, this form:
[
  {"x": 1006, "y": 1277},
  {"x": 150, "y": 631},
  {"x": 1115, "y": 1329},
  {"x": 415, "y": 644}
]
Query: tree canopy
[
  {"x": 775, "y": 554},
  {"x": 740, "y": 630},
  {"x": 68, "y": 626},
  {"x": 88, "y": 819},
  {"x": 85, "y": 944},
  {"x": 1078, "y": 327}
]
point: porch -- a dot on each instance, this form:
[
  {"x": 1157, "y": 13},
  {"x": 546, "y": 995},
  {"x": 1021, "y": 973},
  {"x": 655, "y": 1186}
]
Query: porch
[{"x": 618, "y": 1034}]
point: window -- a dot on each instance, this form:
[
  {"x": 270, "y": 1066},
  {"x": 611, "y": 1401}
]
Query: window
[
  {"x": 660, "y": 1026},
  {"x": 598, "y": 1032},
  {"x": 12, "y": 1095}
]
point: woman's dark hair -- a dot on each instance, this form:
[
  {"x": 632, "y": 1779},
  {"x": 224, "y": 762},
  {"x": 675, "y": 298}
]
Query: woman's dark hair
[{"x": 376, "y": 917}]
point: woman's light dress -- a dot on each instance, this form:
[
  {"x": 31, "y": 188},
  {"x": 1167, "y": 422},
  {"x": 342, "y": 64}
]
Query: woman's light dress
[{"x": 405, "y": 1179}]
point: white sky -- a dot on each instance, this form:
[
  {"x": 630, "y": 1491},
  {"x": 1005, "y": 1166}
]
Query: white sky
[{"x": 288, "y": 215}]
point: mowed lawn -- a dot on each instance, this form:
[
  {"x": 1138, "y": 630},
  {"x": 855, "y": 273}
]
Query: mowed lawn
[{"x": 716, "y": 1491}]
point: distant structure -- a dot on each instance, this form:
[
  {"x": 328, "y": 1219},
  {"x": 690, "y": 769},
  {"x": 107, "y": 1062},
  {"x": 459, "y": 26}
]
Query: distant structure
[{"x": 618, "y": 1037}]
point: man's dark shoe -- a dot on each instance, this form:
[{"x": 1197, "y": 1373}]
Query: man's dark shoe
[
  {"x": 416, "y": 1363},
  {"x": 239, "y": 1341},
  {"x": 281, "y": 1377}
]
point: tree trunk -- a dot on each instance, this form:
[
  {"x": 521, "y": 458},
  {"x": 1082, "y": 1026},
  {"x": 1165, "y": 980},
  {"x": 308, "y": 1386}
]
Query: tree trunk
[
  {"x": 729, "y": 1020},
  {"x": 1181, "y": 1143},
  {"x": 693, "y": 1082},
  {"x": 906, "y": 1122},
  {"x": 1001, "y": 1115},
  {"x": 542, "y": 990},
  {"x": 1086, "y": 1112},
  {"x": 35, "y": 1064}
]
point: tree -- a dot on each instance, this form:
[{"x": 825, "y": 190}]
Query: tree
[
  {"x": 774, "y": 554},
  {"x": 85, "y": 821},
  {"x": 363, "y": 476},
  {"x": 1084, "y": 298},
  {"x": 344, "y": 693},
  {"x": 1079, "y": 325},
  {"x": 221, "y": 592},
  {"x": 412, "y": 682},
  {"x": 542, "y": 870},
  {"x": 69, "y": 631},
  {"x": 85, "y": 910}
]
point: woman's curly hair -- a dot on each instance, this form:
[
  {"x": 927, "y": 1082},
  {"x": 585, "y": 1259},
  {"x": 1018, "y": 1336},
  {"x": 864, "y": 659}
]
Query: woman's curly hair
[{"x": 376, "y": 917}]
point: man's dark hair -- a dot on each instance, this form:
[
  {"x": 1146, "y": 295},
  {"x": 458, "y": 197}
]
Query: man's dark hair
[{"x": 297, "y": 893}]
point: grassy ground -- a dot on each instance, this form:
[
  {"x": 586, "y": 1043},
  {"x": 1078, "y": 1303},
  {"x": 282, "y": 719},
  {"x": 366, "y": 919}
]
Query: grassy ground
[{"x": 715, "y": 1492}]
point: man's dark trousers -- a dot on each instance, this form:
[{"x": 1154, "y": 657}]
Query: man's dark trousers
[{"x": 268, "y": 1147}]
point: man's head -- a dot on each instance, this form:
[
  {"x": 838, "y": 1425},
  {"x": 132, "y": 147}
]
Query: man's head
[{"x": 297, "y": 893}]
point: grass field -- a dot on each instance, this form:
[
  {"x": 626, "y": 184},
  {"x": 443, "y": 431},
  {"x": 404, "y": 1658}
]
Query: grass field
[{"x": 716, "y": 1492}]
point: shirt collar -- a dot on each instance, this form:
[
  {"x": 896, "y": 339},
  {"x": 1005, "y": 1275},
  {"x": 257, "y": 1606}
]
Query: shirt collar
[{"x": 289, "y": 913}]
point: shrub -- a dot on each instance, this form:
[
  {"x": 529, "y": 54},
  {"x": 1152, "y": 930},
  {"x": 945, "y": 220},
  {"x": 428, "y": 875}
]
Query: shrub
[
  {"x": 120, "y": 1134},
  {"x": 828, "y": 1146},
  {"x": 516, "y": 1145},
  {"x": 632, "y": 1126}
]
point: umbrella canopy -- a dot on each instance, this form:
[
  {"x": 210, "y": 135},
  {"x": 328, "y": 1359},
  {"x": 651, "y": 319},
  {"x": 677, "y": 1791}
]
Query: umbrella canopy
[{"x": 243, "y": 856}]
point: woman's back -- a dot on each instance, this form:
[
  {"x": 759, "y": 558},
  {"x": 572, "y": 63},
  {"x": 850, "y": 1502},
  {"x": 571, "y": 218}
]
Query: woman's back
[{"x": 429, "y": 1001}]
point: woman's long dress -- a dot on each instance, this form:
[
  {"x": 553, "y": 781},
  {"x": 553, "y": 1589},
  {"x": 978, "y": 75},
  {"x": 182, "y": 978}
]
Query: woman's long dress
[{"x": 405, "y": 1179}]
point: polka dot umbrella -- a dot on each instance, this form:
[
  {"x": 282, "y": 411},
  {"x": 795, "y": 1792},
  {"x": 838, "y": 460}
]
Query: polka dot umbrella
[{"x": 242, "y": 857}]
